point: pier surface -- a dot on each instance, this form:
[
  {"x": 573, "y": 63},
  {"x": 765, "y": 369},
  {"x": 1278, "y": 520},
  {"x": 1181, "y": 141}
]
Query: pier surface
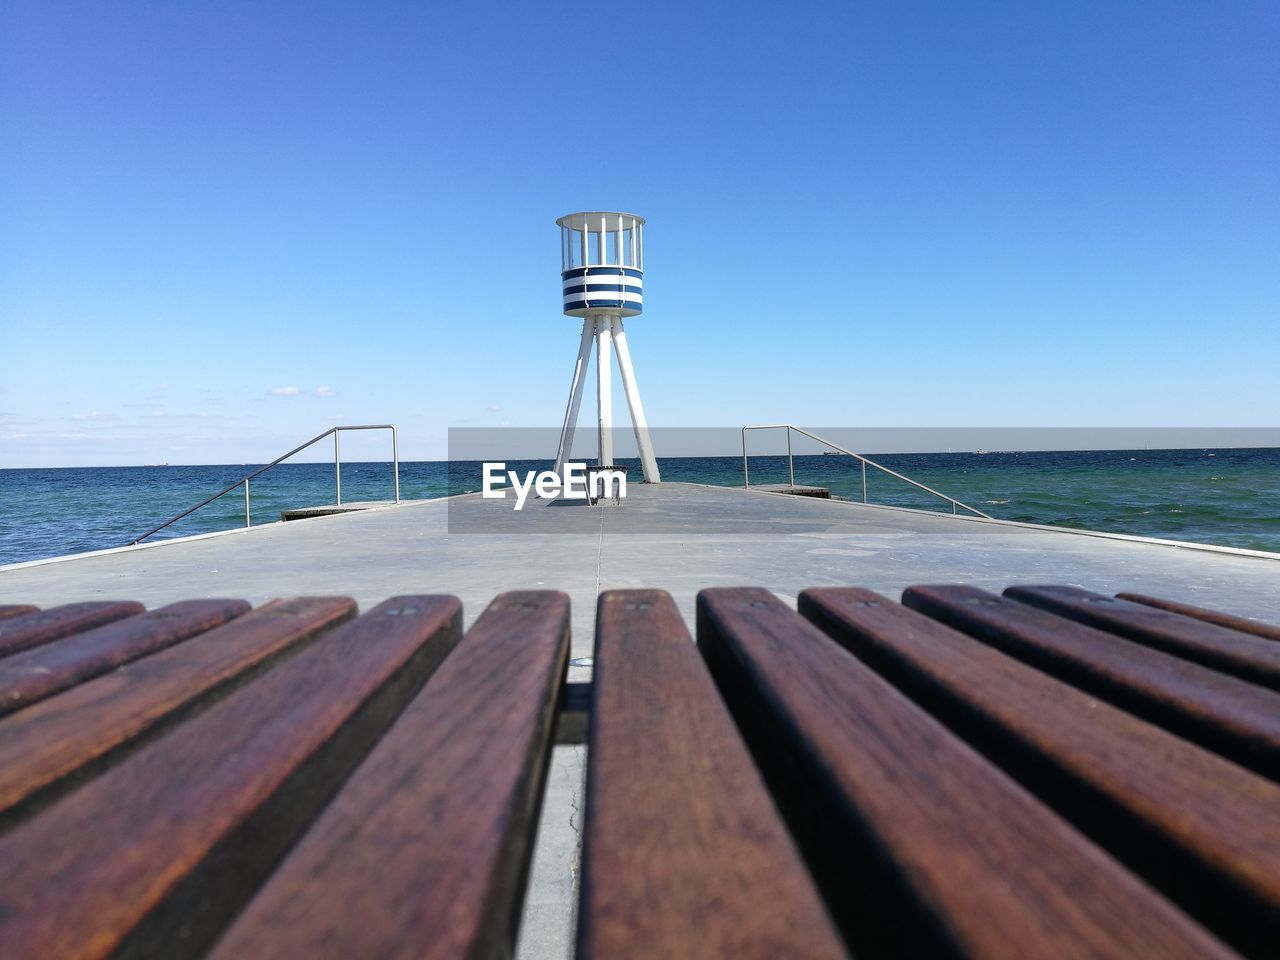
[{"x": 675, "y": 536}]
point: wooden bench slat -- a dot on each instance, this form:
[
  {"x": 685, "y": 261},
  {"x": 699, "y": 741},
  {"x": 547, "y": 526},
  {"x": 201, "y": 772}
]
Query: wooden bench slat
[
  {"x": 153, "y": 856},
  {"x": 49, "y": 745},
  {"x": 424, "y": 852},
  {"x": 1237, "y": 719},
  {"x": 669, "y": 775},
  {"x": 1248, "y": 657},
  {"x": 42, "y": 671},
  {"x": 1199, "y": 827},
  {"x": 29, "y": 630},
  {"x": 1255, "y": 627},
  {"x": 913, "y": 836},
  {"x": 8, "y": 610}
]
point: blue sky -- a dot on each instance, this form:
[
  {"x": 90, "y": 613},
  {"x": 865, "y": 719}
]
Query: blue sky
[{"x": 225, "y": 227}]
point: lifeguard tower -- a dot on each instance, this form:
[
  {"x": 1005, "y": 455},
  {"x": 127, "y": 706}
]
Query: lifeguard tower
[{"x": 602, "y": 269}]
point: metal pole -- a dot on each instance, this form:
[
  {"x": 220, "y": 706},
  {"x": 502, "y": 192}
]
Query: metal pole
[
  {"x": 337, "y": 470},
  {"x": 246, "y": 501},
  {"x": 575, "y": 395},
  {"x": 604, "y": 397},
  {"x": 745, "y": 480},
  {"x": 791, "y": 466},
  {"x": 639, "y": 425},
  {"x": 395, "y": 463},
  {"x": 864, "y": 481}
]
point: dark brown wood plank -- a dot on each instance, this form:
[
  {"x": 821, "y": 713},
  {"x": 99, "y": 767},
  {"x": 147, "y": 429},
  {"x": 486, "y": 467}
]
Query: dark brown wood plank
[
  {"x": 684, "y": 853},
  {"x": 425, "y": 850},
  {"x": 50, "y": 745},
  {"x": 1231, "y": 622},
  {"x": 921, "y": 846},
  {"x": 8, "y": 610},
  {"x": 32, "y": 629},
  {"x": 151, "y": 858},
  {"x": 1248, "y": 657},
  {"x": 1199, "y": 827},
  {"x": 43, "y": 671},
  {"x": 1237, "y": 719}
]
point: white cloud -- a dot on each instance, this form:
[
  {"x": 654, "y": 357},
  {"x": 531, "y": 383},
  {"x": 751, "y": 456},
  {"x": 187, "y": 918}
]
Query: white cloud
[
  {"x": 326, "y": 392},
  {"x": 94, "y": 415},
  {"x": 284, "y": 391},
  {"x": 493, "y": 408}
]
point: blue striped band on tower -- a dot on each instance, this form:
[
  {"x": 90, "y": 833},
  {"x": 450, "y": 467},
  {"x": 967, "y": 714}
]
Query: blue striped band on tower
[{"x": 615, "y": 289}]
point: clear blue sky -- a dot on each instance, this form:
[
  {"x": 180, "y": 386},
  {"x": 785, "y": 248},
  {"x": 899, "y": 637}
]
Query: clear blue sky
[{"x": 946, "y": 214}]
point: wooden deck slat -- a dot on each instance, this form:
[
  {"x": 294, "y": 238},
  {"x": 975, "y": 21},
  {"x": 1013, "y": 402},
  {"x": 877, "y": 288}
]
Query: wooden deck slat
[
  {"x": 1255, "y": 627},
  {"x": 922, "y": 847},
  {"x": 668, "y": 775},
  {"x": 1203, "y": 829},
  {"x": 8, "y": 610},
  {"x": 42, "y": 671},
  {"x": 29, "y": 630},
  {"x": 62, "y": 738},
  {"x": 1248, "y": 657},
  {"x": 153, "y": 856},
  {"x": 1237, "y": 719},
  {"x": 424, "y": 852}
]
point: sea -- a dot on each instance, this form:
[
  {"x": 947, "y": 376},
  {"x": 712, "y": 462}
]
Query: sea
[{"x": 1229, "y": 497}]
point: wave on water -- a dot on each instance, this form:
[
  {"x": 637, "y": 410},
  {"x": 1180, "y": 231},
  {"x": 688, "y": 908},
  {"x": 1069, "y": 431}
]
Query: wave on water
[{"x": 1226, "y": 497}]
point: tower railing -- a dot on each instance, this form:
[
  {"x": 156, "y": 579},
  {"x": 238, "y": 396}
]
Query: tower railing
[
  {"x": 337, "y": 474},
  {"x": 956, "y": 505}
]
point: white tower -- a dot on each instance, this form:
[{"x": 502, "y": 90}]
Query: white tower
[{"x": 601, "y": 265}]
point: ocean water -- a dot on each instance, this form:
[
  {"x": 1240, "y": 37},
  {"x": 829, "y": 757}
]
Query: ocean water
[{"x": 1227, "y": 497}]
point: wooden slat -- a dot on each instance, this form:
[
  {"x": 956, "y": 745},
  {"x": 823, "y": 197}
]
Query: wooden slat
[
  {"x": 8, "y": 610},
  {"x": 1237, "y": 719},
  {"x": 1255, "y": 627},
  {"x": 51, "y": 744},
  {"x": 1201, "y": 828},
  {"x": 152, "y": 857},
  {"x": 1248, "y": 657},
  {"x": 32, "y": 629},
  {"x": 42, "y": 671},
  {"x": 424, "y": 852},
  {"x": 922, "y": 847},
  {"x": 684, "y": 854}
]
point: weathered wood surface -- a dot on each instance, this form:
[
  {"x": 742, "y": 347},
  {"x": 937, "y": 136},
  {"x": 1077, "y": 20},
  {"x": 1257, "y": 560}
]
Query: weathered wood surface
[
  {"x": 44, "y": 670},
  {"x": 1201, "y": 828},
  {"x": 1249, "y": 657},
  {"x": 24, "y": 631},
  {"x": 48, "y": 745},
  {"x": 424, "y": 852},
  {"x": 1231, "y": 622},
  {"x": 914, "y": 837},
  {"x": 1237, "y": 719},
  {"x": 684, "y": 853},
  {"x": 8, "y": 610},
  {"x": 152, "y": 857}
]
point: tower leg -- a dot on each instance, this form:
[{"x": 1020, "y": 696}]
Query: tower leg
[
  {"x": 575, "y": 396},
  {"x": 604, "y": 398},
  {"x": 638, "y": 422}
]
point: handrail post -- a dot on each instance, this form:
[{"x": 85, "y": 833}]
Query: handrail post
[
  {"x": 337, "y": 470},
  {"x": 395, "y": 463},
  {"x": 246, "y": 501},
  {"x": 746, "y": 483},
  {"x": 791, "y": 466},
  {"x": 864, "y": 481}
]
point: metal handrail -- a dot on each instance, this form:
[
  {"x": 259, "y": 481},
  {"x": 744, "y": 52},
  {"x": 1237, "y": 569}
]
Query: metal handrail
[
  {"x": 337, "y": 473},
  {"x": 955, "y": 504}
]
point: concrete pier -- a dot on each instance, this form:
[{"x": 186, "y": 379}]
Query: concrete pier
[{"x": 680, "y": 537}]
